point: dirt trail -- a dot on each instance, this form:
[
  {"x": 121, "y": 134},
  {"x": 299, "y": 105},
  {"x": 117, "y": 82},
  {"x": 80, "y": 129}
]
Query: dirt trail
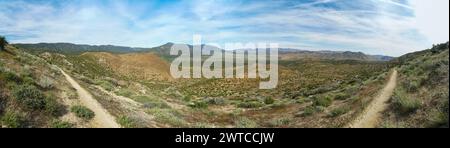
[
  {"x": 102, "y": 118},
  {"x": 370, "y": 116},
  {"x": 136, "y": 108}
]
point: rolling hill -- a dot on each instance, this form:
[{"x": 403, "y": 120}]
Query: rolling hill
[
  {"x": 133, "y": 87},
  {"x": 164, "y": 51},
  {"x": 69, "y": 48}
]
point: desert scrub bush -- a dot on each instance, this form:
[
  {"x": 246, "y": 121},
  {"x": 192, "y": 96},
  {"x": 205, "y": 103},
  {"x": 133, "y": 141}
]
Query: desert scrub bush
[
  {"x": 324, "y": 101},
  {"x": 187, "y": 98},
  {"x": 46, "y": 82},
  {"x": 168, "y": 116},
  {"x": 82, "y": 112},
  {"x": 243, "y": 122},
  {"x": 339, "y": 111},
  {"x": 250, "y": 104},
  {"x": 3, "y": 97},
  {"x": 127, "y": 122},
  {"x": 301, "y": 100},
  {"x": 280, "y": 122},
  {"x": 403, "y": 103},
  {"x": 200, "y": 104},
  {"x": 60, "y": 124},
  {"x": 269, "y": 100},
  {"x": 150, "y": 102},
  {"x": 124, "y": 92},
  {"x": 28, "y": 80},
  {"x": 53, "y": 107},
  {"x": 29, "y": 96},
  {"x": 12, "y": 120},
  {"x": 86, "y": 79},
  {"x": 202, "y": 125},
  {"x": 341, "y": 96},
  {"x": 11, "y": 77},
  {"x": 308, "y": 111},
  {"x": 411, "y": 85},
  {"x": 216, "y": 101},
  {"x": 437, "y": 119},
  {"x": 105, "y": 84}
]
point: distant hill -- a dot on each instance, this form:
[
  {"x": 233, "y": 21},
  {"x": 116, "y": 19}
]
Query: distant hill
[
  {"x": 295, "y": 54},
  {"x": 164, "y": 51},
  {"x": 69, "y": 48},
  {"x": 291, "y": 54}
]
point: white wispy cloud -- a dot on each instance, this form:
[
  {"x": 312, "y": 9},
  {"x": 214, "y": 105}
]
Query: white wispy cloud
[{"x": 388, "y": 27}]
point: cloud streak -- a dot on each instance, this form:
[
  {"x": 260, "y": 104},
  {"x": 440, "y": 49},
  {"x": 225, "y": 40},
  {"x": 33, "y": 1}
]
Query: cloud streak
[{"x": 390, "y": 27}]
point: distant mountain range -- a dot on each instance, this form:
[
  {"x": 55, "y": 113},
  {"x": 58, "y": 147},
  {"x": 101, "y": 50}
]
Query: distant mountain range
[
  {"x": 69, "y": 48},
  {"x": 164, "y": 51},
  {"x": 295, "y": 54}
]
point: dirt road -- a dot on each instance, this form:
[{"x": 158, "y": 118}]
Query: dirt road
[
  {"x": 371, "y": 115},
  {"x": 102, "y": 117}
]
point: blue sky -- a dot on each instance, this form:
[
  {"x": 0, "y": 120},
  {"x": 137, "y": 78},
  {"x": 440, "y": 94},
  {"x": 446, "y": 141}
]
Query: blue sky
[{"x": 388, "y": 27}]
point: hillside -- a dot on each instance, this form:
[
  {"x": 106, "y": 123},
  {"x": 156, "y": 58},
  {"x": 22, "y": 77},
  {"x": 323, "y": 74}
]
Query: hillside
[
  {"x": 344, "y": 85},
  {"x": 421, "y": 99},
  {"x": 294, "y": 54},
  {"x": 34, "y": 93},
  {"x": 315, "y": 89},
  {"x": 69, "y": 48},
  {"x": 164, "y": 51},
  {"x": 144, "y": 66}
]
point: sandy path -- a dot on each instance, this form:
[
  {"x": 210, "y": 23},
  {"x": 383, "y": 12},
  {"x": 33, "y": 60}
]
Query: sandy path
[
  {"x": 136, "y": 108},
  {"x": 371, "y": 115},
  {"x": 102, "y": 118}
]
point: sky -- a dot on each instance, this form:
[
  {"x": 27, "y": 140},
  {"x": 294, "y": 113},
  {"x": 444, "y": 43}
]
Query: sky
[{"x": 386, "y": 27}]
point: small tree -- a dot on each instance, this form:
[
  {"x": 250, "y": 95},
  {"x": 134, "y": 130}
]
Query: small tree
[{"x": 3, "y": 42}]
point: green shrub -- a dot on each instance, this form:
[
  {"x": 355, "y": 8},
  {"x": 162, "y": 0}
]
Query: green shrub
[
  {"x": 167, "y": 116},
  {"x": 202, "y": 125},
  {"x": 52, "y": 107},
  {"x": 250, "y": 104},
  {"x": 127, "y": 122},
  {"x": 46, "y": 82},
  {"x": 82, "y": 112},
  {"x": 280, "y": 122},
  {"x": 199, "y": 104},
  {"x": 124, "y": 92},
  {"x": 438, "y": 119},
  {"x": 319, "y": 109},
  {"x": 244, "y": 122},
  {"x": 216, "y": 101},
  {"x": 12, "y": 120},
  {"x": 150, "y": 102},
  {"x": 28, "y": 80},
  {"x": 323, "y": 101},
  {"x": 339, "y": 111},
  {"x": 61, "y": 124},
  {"x": 308, "y": 111},
  {"x": 29, "y": 96},
  {"x": 341, "y": 96},
  {"x": 269, "y": 100},
  {"x": 412, "y": 86},
  {"x": 3, "y": 98},
  {"x": 403, "y": 104},
  {"x": 301, "y": 100},
  {"x": 105, "y": 84},
  {"x": 9, "y": 76},
  {"x": 187, "y": 98}
]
